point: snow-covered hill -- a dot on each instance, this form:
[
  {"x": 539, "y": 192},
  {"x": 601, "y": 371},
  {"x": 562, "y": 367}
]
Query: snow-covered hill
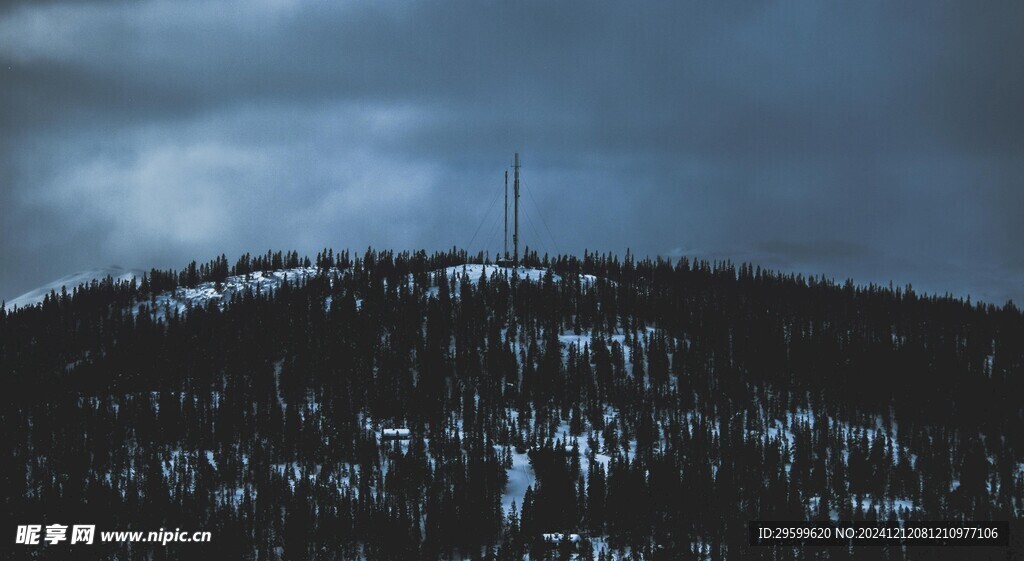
[{"x": 72, "y": 281}]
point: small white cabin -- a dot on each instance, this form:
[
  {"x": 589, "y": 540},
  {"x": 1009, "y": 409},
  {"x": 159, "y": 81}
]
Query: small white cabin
[
  {"x": 557, "y": 538},
  {"x": 395, "y": 434}
]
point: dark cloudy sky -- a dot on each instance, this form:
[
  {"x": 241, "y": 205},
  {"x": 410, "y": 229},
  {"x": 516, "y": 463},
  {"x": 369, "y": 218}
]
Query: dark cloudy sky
[{"x": 874, "y": 140}]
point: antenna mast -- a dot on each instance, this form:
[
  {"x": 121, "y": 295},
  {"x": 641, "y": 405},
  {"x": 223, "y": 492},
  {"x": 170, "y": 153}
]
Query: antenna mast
[
  {"x": 506, "y": 214},
  {"x": 515, "y": 235}
]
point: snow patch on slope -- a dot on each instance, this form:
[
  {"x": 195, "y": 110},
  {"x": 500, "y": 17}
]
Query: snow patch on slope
[
  {"x": 520, "y": 476},
  {"x": 181, "y": 299}
]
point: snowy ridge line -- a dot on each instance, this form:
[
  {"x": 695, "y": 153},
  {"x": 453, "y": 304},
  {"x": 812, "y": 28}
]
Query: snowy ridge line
[
  {"x": 535, "y": 274},
  {"x": 182, "y": 298},
  {"x": 71, "y": 282},
  {"x": 474, "y": 270}
]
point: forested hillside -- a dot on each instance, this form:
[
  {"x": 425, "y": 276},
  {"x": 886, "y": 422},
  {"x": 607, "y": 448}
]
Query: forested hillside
[{"x": 653, "y": 407}]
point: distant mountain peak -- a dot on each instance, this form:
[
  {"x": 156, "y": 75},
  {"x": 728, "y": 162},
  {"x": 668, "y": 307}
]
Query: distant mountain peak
[{"x": 70, "y": 282}]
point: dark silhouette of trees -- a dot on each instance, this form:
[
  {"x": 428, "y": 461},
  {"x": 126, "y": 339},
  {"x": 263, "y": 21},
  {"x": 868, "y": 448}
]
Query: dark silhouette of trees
[{"x": 660, "y": 405}]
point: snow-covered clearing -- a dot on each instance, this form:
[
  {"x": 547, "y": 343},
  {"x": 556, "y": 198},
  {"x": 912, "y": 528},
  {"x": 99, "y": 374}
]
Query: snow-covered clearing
[{"x": 181, "y": 299}]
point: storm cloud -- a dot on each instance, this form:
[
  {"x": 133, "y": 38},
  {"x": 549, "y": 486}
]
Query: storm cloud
[{"x": 875, "y": 140}]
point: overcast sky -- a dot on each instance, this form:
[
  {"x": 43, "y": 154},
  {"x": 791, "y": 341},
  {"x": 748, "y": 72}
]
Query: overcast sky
[{"x": 874, "y": 140}]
